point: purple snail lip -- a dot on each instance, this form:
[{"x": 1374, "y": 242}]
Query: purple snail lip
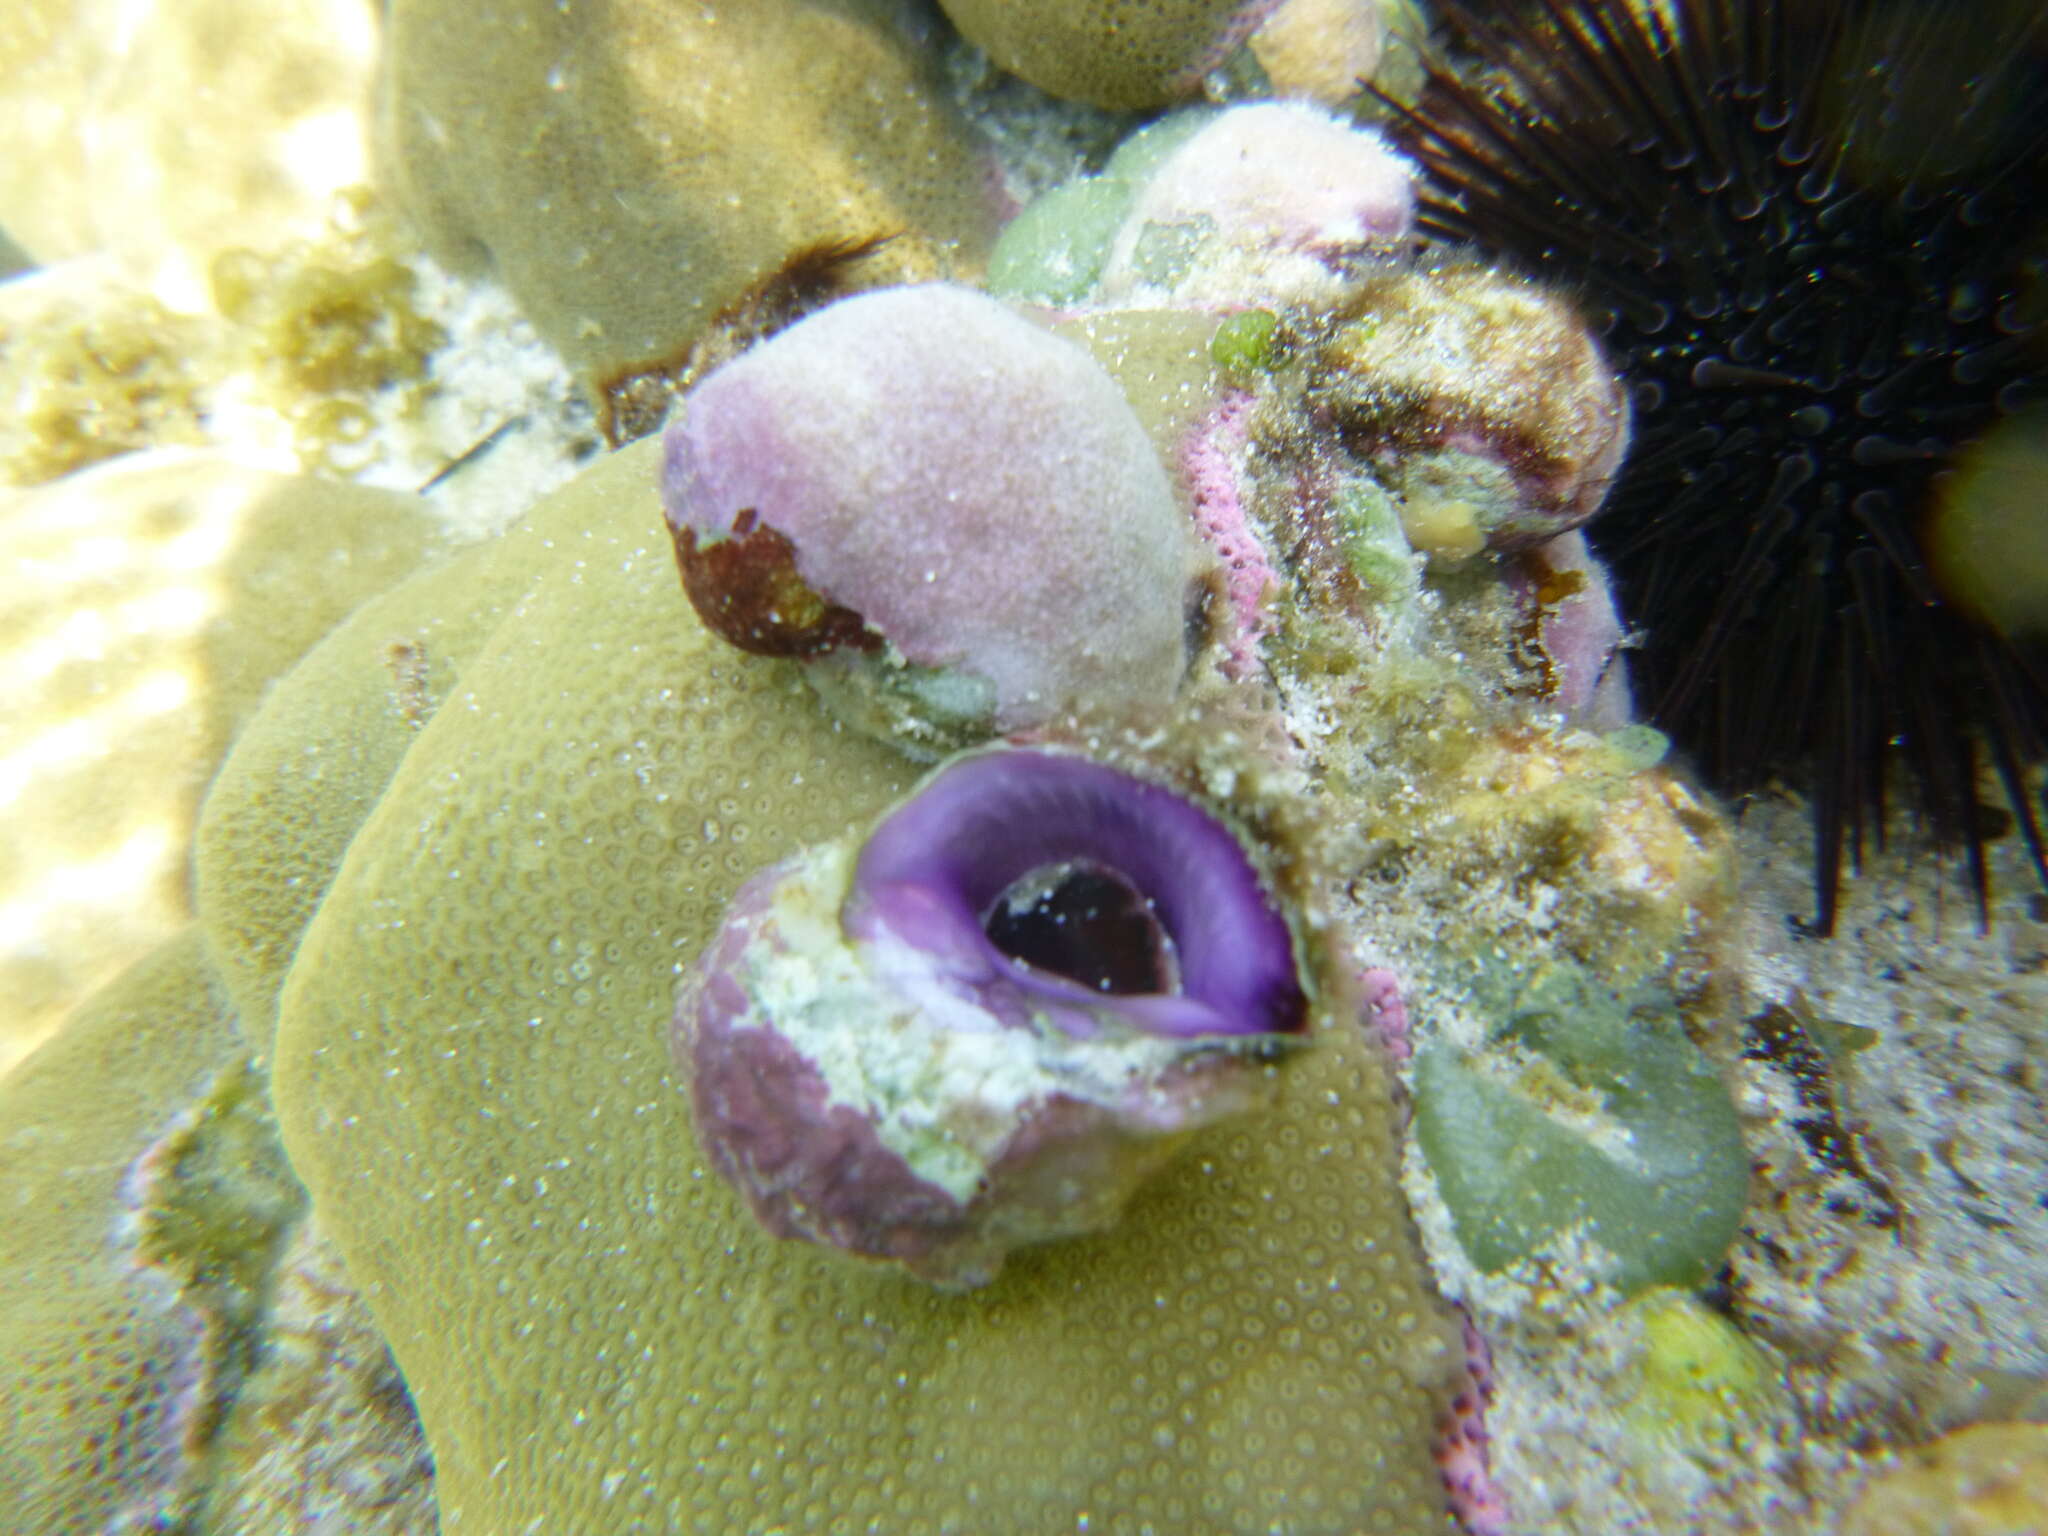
[{"x": 987, "y": 1024}]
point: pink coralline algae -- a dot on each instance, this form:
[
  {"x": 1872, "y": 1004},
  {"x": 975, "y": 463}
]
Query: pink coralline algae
[
  {"x": 1209, "y": 469},
  {"x": 1384, "y": 1013},
  {"x": 1462, "y": 1450},
  {"x": 987, "y": 1023},
  {"x": 819, "y": 485}
]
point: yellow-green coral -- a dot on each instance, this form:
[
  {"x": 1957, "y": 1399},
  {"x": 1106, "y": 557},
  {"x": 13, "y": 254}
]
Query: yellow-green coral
[
  {"x": 148, "y": 603},
  {"x": 471, "y": 1074},
  {"x": 626, "y": 169},
  {"x": 1114, "y": 53},
  {"x": 101, "y": 1361},
  {"x": 1986, "y": 1480}
]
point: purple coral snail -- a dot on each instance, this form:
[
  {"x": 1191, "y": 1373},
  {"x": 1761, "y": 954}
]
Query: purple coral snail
[
  {"x": 989, "y": 1022},
  {"x": 964, "y": 868}
]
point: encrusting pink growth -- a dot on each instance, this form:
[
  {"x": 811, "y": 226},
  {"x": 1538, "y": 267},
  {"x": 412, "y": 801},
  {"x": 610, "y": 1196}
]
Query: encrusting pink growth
[
  {"x": 1209, "y": 468},
  {"x": 1383, "y": 1011},
  {"x": 1462, "y": 1453}
]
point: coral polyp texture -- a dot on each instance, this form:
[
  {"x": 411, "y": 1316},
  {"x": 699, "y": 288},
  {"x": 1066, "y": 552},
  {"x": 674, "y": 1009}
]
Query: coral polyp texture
[
  {"x": 626, "y": 171},
  {"x": 1809, "y": 231},
  {"x": 992, "y": 1020},
  {"x": 1113, "y": 955},
  {"x": 1112, "y": 53},
  {"x": 957, "y": 514},
  {"x": 457, "y": 884}
]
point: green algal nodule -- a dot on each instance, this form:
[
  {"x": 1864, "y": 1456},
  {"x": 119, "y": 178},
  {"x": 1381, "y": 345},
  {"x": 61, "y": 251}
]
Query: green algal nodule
[
  {"x": 1244, "y": 342},
  {"x": 1586, "y": 1114}
]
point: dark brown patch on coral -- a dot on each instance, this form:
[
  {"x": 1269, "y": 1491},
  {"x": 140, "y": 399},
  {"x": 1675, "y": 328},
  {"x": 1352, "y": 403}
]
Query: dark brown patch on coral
[
  {"x": 747, "y": 591},
  {"x": 1778, "y": 1037},
  {"x": 1549, "y": 588},
  {"x": 633, "y": 402}
]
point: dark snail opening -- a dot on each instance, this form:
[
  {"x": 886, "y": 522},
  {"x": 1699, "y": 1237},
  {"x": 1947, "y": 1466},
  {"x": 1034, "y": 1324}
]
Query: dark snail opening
[
  {"x": 1086, "y": 880},
  {"x": 1088, "y": 924}
]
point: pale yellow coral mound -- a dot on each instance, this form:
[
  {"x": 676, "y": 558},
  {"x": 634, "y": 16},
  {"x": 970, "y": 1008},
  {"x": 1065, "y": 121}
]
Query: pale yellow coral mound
[
  {"x": 147, "y": 603},
  {"x": 1128, "y": 54},
  {"x": 472, "y": 1077},
  {"x": 100, "y": 1360},
  {"x": 628, "y": 168},
  {"x": 1986, "y": 1480}
]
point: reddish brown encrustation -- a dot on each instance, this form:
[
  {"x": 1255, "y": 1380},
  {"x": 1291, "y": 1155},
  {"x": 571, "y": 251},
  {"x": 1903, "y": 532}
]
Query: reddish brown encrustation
[{"x": 747, "y": 590}]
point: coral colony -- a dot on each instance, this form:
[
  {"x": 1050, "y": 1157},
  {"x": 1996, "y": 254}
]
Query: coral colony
[
  {"x": 1114, "y": 954},
  {"x": 987, "y": 1024}
]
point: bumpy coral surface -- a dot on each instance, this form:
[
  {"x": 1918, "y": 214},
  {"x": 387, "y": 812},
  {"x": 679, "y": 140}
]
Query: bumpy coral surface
[
  {"x": 627, "y": 169},
  {"x": 1113, "y": 53},
  {"x": 497, "y": 953},
  {"x": 102, "y": 1363}
]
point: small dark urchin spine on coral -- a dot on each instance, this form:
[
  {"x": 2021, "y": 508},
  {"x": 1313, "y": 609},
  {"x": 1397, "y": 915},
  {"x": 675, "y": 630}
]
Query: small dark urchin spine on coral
[{"x": 1814, "y": 231}]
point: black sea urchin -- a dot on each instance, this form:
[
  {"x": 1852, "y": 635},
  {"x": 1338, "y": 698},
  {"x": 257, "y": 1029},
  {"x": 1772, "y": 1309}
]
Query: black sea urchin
[{"x": 1816, "y": 233}]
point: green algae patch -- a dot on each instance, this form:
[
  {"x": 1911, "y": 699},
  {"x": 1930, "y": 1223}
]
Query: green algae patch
[
  {"x": 1245, "y": 343},
  {"x": 1589, "y": 1117},
  {"x": 1053, "y": 251},
  {"x": 472, "y": 1077},
  {"x": 217, "y": 1206}
]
